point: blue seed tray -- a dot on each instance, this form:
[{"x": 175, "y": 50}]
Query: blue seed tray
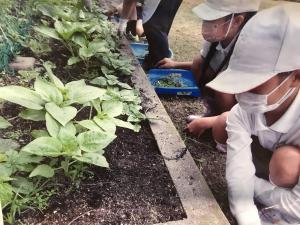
[
  {"x": 140, "y": 50},
  {"x": 186, "y": 79}
]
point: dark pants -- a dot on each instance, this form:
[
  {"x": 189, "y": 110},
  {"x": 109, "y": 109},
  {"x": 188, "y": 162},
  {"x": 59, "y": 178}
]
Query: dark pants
[{"x": 157, "y": 30}]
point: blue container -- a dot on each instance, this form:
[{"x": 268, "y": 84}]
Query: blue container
[
  {"x": 140, "y": 50},
  {"x": 185, "y": 77}
]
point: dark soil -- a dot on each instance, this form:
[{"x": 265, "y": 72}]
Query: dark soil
[
  {"x": 137, "y": 189},
  {"x": 210, "y": 161}
]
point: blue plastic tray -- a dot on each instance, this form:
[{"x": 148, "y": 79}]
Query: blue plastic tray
[
  {"x": 140, "y": 50},
  {"x": 186, "y": 78}
]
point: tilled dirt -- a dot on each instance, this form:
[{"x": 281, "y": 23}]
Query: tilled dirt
[{"x": 137, "y": 189}]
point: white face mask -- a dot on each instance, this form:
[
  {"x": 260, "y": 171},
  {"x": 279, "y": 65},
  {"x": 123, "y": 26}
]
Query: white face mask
[
  {"x": 212, "y": 36},
  {"x": 255, "y": 103}
]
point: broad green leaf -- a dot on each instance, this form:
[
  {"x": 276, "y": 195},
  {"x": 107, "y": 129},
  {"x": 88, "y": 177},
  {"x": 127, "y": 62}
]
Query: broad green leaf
[
  {"x": 62, "y": 114},
  {"x": 73, "y": 60},
  {"x": 29, "y": 75},
  {"x": 82, "y": 95},
  {"x": 68, "y": 139},
  {"x": 100, "y": 81},
  {"x": 58, "y": 11},
  {"x": 92, "y": 141},
  {"x": 2, "y": 158},
  {"x": 34, "y": 115},
  {"x": 90, "y": 125},
  {"x": 125, "y": 86},
  {"x": 57, "y": 82},
  {"x": 96, "y": 103},
  {"x": 98, "y": 46},
  {"x": 81, "y": 15},
  {"x": 129, "y": 95},
  {"x": 48, "y": 92},
  {"x": 22, "y": 185},
  {"x": 4, "y": 178},
  {"x": 69, "y": 128},
  {"x": 93, "y": 158},
  {"x": 48, "y": 32},
  {"x": 79, "y": 39},
  {"x": 121, "y": 123},
  {"x": 112, "y": 108},
  {"x": 7, "y": 144},
  {"x": 112, "y": 82},
  {"x": 48, "y": 10},
  {"x": 75, "y": 84},
  {"x": 6, "y": 193},
  {"x": 26, "y": 158},
  {"x": 106, "y": 124},
  {"x": 22, "y": 96},
  {"x": 112, "y": 77},
  {"x": 52, "y": 125},
  {"x": 69, "y": 142},
  {"x": 39, "y": 133},
  {"x": 19, "y": 158},
  {"x": 20, "y": 162},
  {"x": 43, "y": 171},
  {"x": 85, "y": 52},
  {"x": 4, "y": 123},
  {"x": 5, "y": 170},
  {"x": 66, "y": 29},
  {"x": 44, "y": 146}
]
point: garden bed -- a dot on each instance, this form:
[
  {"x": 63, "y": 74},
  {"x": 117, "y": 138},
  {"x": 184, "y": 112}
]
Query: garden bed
[{"x": 137, "y": 189}]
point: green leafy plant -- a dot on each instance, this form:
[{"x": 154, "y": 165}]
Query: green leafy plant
[{"x": 86, "y": 35}]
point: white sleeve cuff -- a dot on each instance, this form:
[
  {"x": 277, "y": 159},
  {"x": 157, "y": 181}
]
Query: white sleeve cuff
[{"x": 250, "y": 217}]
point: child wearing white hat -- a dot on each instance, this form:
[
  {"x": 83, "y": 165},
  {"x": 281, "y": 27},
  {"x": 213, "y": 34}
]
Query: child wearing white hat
[
  {"x": 222, "y": 23},
  {"x": 264, "y": 75}
]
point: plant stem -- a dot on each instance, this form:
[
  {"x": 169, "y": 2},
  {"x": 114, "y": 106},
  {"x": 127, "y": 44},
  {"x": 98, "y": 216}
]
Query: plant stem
[
  {"x": 12, "y": 118},
  {"x": 91, "y": 110}
]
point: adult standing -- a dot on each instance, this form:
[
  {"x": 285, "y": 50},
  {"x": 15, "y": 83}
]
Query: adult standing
[{"x": 158, "y": 16}]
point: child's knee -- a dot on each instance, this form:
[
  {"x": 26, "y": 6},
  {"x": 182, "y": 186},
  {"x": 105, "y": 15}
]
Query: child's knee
[
  {"x": 285, "y": 166},
  {"x": 219, "y": 128}
]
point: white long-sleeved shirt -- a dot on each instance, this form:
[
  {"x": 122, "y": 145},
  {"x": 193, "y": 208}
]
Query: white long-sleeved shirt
[
  {"x": 287, "y": 201},
  {"x": 240, "y": 171}
]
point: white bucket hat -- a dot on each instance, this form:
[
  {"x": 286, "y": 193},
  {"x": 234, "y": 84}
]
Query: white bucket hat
[
  {"x": 216, "y": 9},
  {"x": 268, "y": 45}
]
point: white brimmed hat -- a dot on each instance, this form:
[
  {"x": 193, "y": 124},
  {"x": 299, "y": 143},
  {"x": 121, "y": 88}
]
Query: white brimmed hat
[
  {"x": 268, "y": 45},
  {"x": 216, "y": 9}
]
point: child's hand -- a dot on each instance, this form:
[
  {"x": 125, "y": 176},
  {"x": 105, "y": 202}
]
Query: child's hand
[
  {"x": 165, "y": 63},
  {"x": 197, "y": 127}
]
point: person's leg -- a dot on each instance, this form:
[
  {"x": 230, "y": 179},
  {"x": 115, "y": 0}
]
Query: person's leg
[
  {"x": 285, "y": 166},
  {"x": 158, "y": 45},
  {"x": 139, "y": 28},
  {"x": 157, "y": 30},
  {"x": 128, "y": 10}
]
